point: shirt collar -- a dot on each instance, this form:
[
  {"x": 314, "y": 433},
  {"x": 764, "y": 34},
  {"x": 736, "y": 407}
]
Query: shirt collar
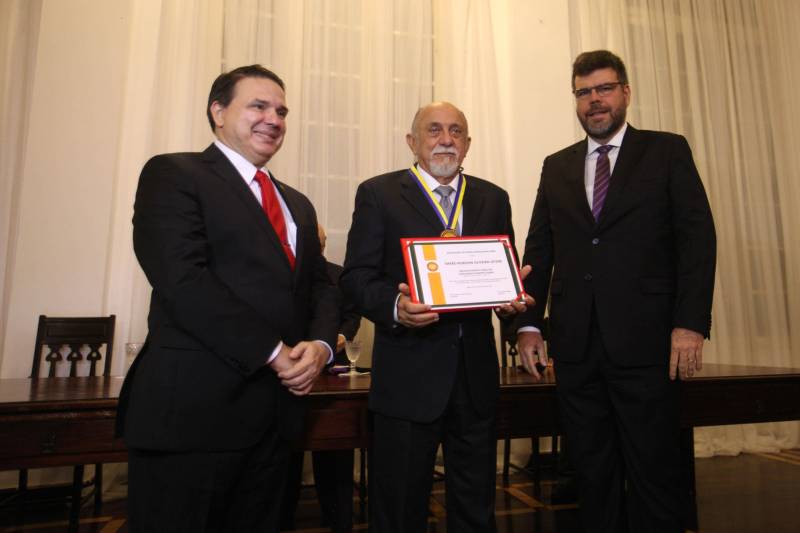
[
  {"x": 245, "y": 168},
  {"x": 615, "y": 141},
  {"x": 432, "y": 183}
]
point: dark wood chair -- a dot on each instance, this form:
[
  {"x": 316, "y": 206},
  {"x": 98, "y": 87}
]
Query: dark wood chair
[{"x": 85, "y": 346}]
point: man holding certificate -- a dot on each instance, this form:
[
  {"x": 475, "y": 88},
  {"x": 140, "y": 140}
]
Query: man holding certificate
[{"x": 434, "y": 375}]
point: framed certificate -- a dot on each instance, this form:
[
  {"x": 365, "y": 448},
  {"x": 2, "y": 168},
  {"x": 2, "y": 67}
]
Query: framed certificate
[{"x": 456, "y": 274}]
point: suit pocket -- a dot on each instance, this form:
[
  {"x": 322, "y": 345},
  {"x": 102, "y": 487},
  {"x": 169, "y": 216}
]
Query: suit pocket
[{"x": 657, "y": 285}]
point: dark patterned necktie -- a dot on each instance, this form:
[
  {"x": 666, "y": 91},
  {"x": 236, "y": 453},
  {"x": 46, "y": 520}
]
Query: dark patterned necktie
[
  {"x": 602, "y": 176},
  {"x": 444, "y": 192}
]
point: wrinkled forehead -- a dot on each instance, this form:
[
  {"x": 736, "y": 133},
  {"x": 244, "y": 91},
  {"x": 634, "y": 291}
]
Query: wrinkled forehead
[{"x": 445, "y": 115}]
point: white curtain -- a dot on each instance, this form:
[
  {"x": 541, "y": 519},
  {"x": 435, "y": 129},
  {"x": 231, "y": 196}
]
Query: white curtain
[
  {"x": 356, "y": 71},
  {"x": 174, "y": 55},
  {"x": 720, "y": 72},
  {"x": 19, "y": 28}
]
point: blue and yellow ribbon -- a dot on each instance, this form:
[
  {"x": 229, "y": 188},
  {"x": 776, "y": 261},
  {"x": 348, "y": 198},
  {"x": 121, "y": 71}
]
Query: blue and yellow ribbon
[{"x": 449, "y": 220}]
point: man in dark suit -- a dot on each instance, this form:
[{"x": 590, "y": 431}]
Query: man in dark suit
[
  {"x": 623, "y": 243},
  {"x": 241, "y": 321},
  {"x": 434, "y": 377}
]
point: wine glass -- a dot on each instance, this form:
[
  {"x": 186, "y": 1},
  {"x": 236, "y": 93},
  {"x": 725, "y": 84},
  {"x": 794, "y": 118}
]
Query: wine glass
[
  {"x": 353, "y": 350},
  {"x": 132, "y": 349}
]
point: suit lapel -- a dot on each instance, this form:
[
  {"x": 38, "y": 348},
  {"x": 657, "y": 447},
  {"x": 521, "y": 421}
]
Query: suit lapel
[
  {"x": 223, "y": 169},
  {"x": 575, "y": 181},
  {"x": 411, "y": 193},
  {"x": 630, "y": 153}
]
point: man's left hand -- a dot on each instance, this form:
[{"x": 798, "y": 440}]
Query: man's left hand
[
  {"x": 516, "y": 306},
  {"x": 687, "y": 353},
  {"x": 309, "y": 359}
]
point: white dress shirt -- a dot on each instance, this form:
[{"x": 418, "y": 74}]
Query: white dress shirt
[{"x": 591, "y": 160}]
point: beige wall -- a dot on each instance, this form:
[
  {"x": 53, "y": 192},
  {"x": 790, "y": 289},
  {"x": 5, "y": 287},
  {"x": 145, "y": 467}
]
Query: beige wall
[
  {"x": 68, "y": 159},
  {"x": 540, "y": 113}
]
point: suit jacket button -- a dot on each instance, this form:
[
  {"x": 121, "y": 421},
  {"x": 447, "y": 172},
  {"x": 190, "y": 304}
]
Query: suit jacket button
[
  {"x": 595, "y": 241},
  {"x": 588, "y": 277}
]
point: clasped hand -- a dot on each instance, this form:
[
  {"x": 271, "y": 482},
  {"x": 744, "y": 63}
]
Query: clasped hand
[{"x": 298, "y": 366}]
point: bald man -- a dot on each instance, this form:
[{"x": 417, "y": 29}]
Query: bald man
[{"x": 434, "y": 376}]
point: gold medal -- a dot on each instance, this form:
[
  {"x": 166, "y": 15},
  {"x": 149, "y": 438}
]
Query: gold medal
[{"x": 448, "y": 233}]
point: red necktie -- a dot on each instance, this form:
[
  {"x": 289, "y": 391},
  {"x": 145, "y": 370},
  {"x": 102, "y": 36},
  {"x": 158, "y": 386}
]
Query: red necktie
[{"x": 272, "y": 207}]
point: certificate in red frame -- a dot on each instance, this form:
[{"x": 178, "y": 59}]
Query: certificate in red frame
[{"x": 462, "y": 273}]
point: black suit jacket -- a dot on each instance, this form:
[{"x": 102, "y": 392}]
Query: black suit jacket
[
  {"x": 647, "y": 266},
  {"x": 223, "y": 296},
  {"x": 413, "y": 370}
]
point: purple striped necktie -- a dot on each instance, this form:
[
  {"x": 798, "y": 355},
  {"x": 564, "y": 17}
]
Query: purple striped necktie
[{"x": 602, "y": 176}]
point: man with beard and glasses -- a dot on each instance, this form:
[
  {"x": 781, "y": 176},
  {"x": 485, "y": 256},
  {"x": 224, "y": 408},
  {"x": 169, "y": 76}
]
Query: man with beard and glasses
[
  {"x": 622, "y": 242},
  {"x": 434, "y": 377}
]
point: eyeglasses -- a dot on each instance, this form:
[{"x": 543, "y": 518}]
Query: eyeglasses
[{"x": 604, "y": 89}]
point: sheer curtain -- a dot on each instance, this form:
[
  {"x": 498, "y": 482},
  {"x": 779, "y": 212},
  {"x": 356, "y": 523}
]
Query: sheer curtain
[
  {"x": 19, "y": 28},
  {"x": 174, "y": 55},
  {"x": 356, "y": 71},
  {"x": 718, "y": 72}
]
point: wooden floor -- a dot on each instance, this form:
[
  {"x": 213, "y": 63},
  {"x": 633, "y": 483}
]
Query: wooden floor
[{"x": 744, "y": 494}]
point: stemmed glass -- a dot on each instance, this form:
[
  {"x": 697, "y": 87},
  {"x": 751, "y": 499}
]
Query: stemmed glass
[
  {"x": 353, "y": 350},
  {"x": 132, "y": 349}
]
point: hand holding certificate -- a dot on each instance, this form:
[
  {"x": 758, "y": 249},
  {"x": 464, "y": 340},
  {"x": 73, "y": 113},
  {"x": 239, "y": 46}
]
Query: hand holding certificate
[{"x": 456, "y": 274}]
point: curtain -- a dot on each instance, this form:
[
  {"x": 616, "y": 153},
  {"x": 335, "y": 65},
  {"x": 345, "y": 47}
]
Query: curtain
[
  {"x": 356, "y": 71},
  {"x": 19, "y": 28},
  {"x": 719, "y": 72},
  {"x": 173, "y": 56}
]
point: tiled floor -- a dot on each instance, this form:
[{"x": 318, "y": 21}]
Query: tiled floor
[{"x": 749, "y": 493}]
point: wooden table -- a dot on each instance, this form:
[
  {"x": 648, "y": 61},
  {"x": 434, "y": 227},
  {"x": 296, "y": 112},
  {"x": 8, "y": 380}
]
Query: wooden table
[
  {"x": 70, "y": 421},
  {"x": 718, "y": 395}
]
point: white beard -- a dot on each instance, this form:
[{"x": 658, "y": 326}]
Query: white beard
[{"x": 444, "y": 170}]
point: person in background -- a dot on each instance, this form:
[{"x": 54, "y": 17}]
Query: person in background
[{"x": 622, "y": 242}]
